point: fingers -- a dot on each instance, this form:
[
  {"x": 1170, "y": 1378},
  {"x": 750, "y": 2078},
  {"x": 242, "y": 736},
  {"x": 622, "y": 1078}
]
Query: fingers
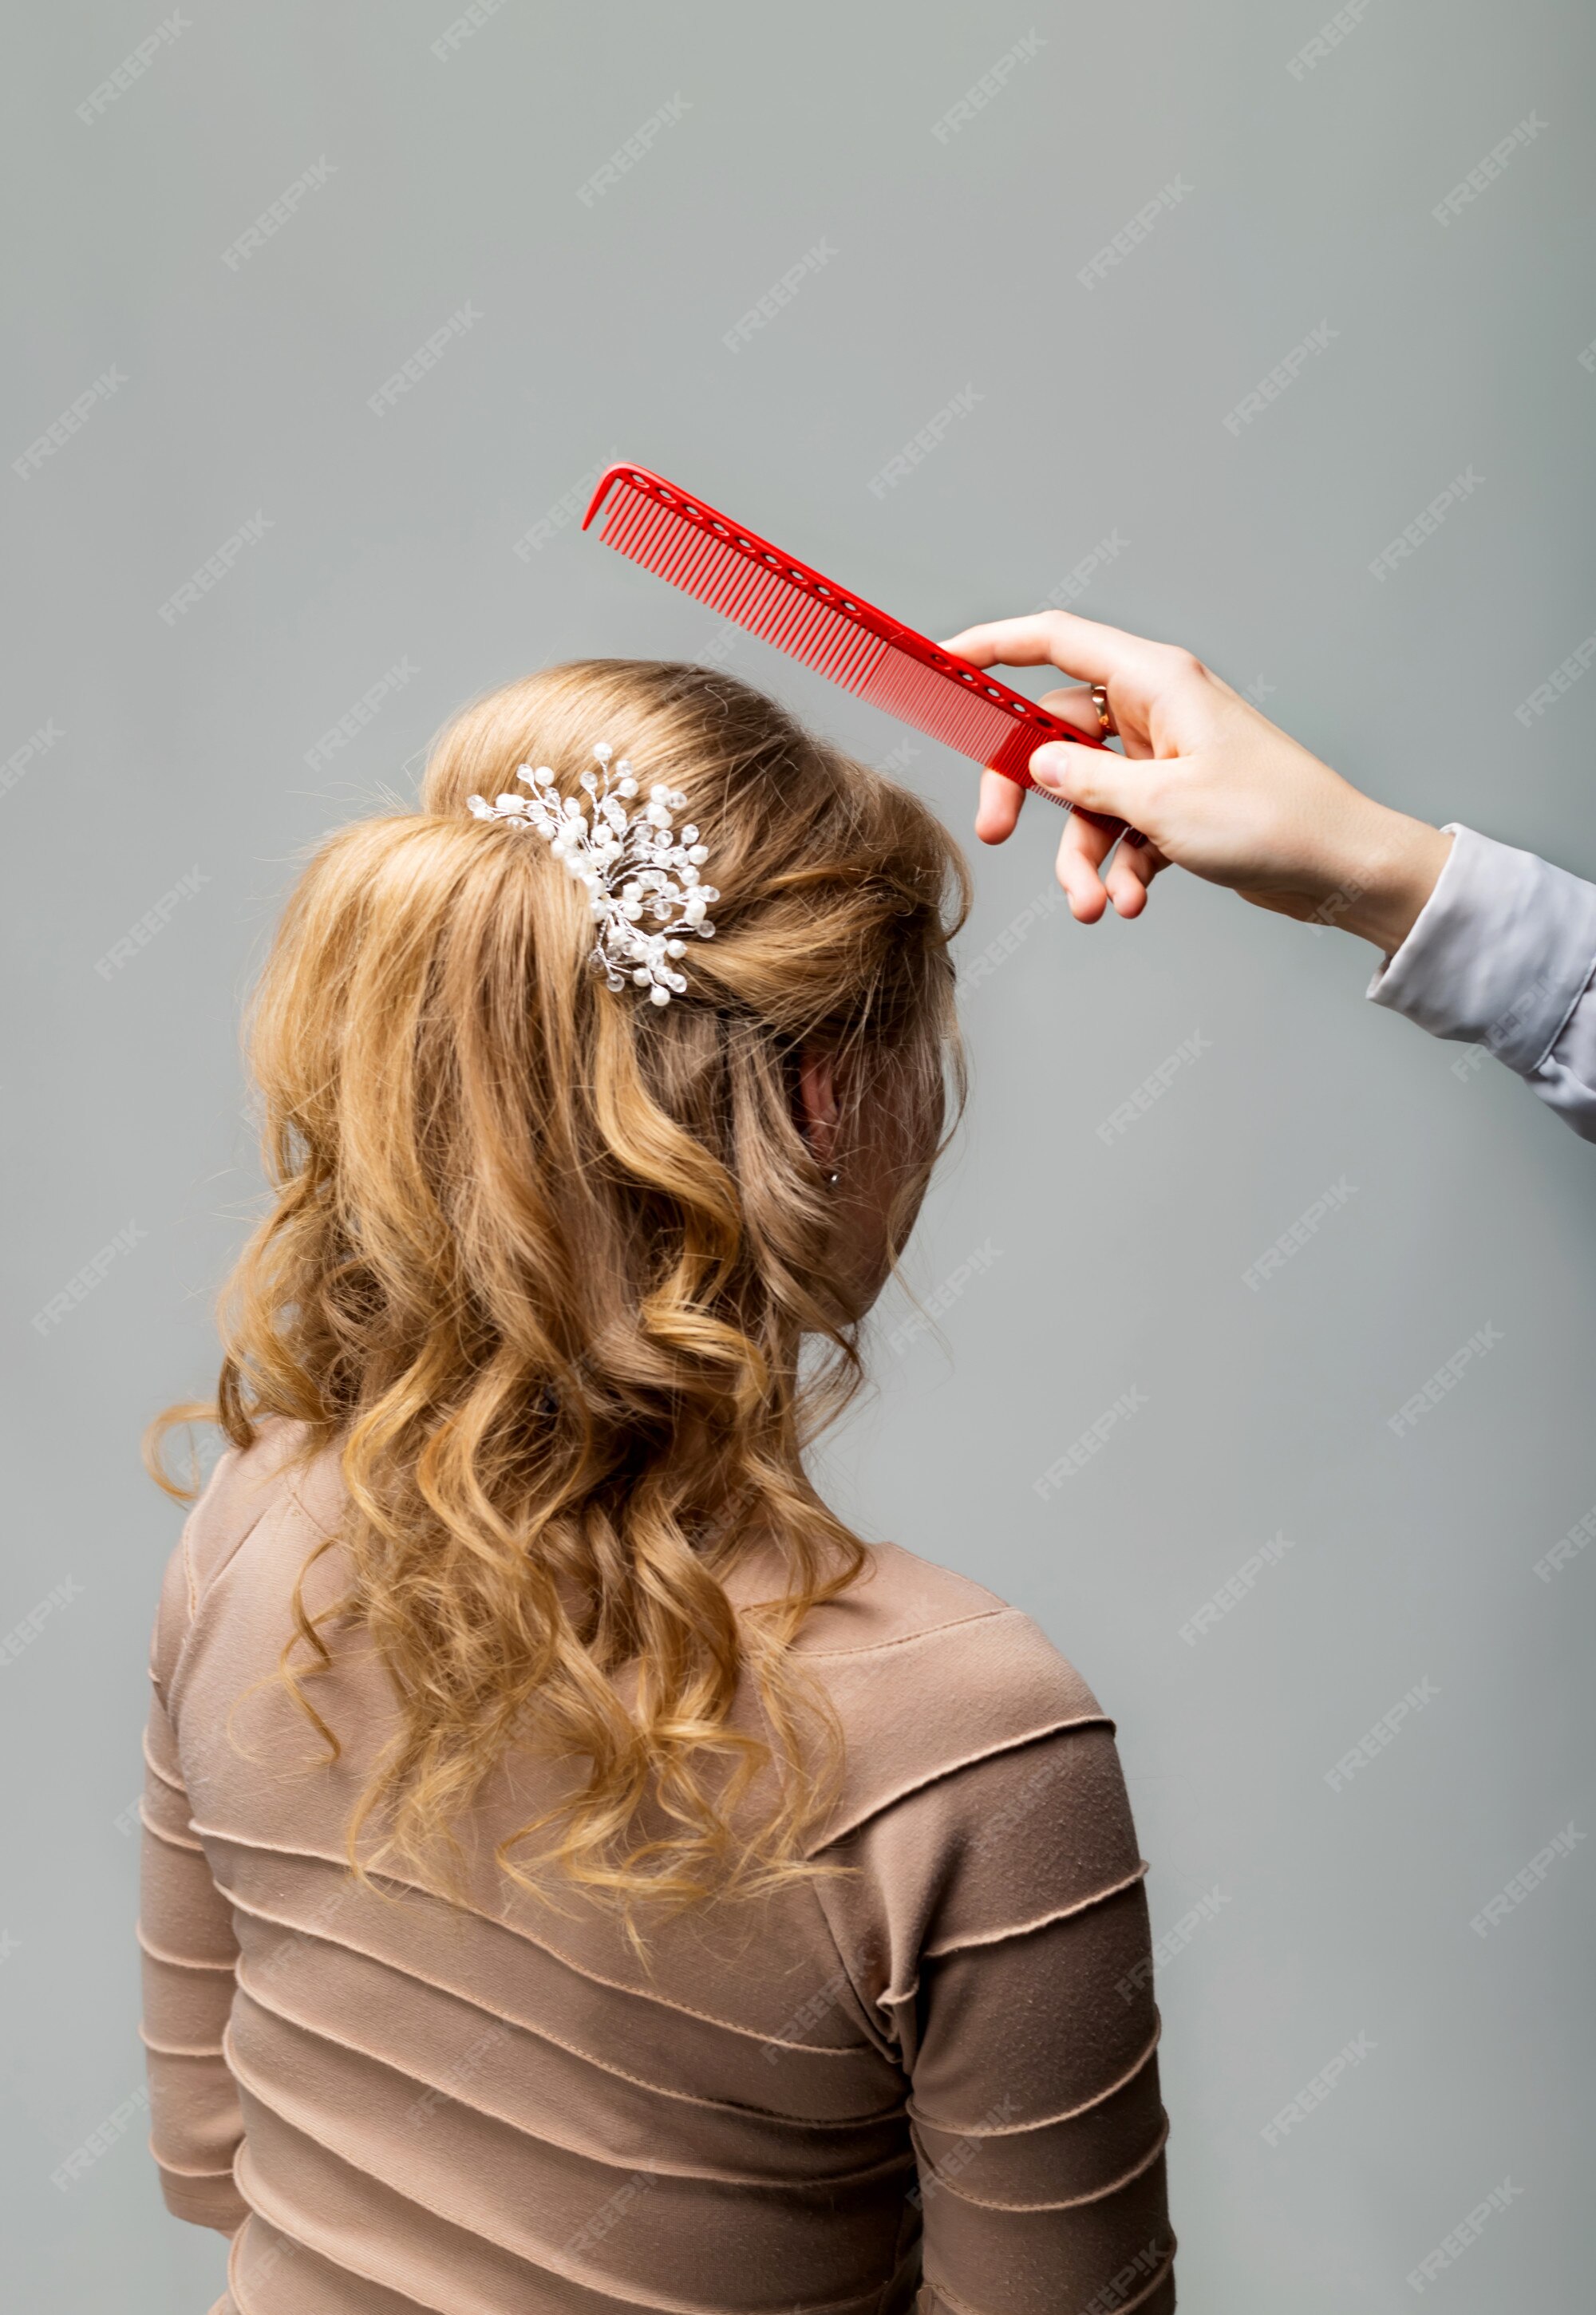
[
  {"x": 1086, "y": 844},
  {"x": 998, "y": 813},
  {"x": 1077, "y": 708},
  {"x": 1128, "y": 875},
  {"x": 1082, "y": 849},
  {"x": 1096, "y": 779},
  {"x": 1090, "y": 887},
  {"x": 1081, "y": 647}
]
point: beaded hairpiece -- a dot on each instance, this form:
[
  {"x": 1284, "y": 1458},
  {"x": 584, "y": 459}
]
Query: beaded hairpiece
[{"x": 634, "y": 863}]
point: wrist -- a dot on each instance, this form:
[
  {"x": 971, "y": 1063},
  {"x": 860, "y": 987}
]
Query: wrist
[{"x": 1390, "y": 874}]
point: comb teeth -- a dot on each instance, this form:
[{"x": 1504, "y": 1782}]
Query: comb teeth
[
  {"x": 766, "y": 601},
  {"x": 960, "y": 719}
]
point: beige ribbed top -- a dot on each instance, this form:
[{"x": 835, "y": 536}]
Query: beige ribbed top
[{"x": 930, "y": 2085}]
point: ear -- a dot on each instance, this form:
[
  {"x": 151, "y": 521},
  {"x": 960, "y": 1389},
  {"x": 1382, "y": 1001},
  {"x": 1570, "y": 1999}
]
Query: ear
[{"x": 817, "y": 1095}]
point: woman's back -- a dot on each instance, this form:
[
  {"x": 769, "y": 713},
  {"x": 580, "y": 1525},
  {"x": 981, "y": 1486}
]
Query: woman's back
[
  {"x": 749, "y": 1920},
  {"x": 475, "y": 2106}
]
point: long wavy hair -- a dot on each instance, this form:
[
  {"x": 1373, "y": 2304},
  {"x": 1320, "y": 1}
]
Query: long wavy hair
[{"x": 559, "y": 1276}]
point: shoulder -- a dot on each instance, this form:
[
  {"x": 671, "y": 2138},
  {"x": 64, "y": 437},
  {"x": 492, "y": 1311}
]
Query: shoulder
[
  {"x": 247, "y": 1484},
  {"x": 247, "y": 1487},
  {"x": 899, "y": 1595},
  {"x": 930, "y": 1673},
  {"x": 906, "y": 1614}
]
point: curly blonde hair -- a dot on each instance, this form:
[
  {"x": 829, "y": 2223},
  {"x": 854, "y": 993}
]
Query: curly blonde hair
[{"x": 555, "y": 1273}]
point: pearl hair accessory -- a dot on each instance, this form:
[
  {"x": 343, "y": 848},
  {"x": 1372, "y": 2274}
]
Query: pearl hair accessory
[{"x": 633, "y": 864}]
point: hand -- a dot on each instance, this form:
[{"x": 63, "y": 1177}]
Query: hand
[{"x": 1214, "y": 787}]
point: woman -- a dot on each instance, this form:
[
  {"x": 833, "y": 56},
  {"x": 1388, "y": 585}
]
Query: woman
[{"x": 581, "y": 1874}]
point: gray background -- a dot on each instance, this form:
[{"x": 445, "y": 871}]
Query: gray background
[{"x": 1114, "y": 1266}]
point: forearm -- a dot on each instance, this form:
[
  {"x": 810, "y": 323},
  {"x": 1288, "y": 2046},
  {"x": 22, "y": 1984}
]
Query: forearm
[
  {"x": 1503, "y": 957},
  {"x": 1385, "y": 867}
]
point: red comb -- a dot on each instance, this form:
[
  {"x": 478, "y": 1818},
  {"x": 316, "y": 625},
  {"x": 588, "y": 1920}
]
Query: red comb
[{"x": 774, "y": 596}]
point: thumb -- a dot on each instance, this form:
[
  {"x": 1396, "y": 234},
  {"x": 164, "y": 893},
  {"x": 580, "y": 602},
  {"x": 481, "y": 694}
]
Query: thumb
[{"x": 1094, "y": 777}]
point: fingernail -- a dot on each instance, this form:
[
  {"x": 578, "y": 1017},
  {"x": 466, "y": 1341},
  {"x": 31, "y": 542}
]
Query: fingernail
[{"x": 1049, "y": 765}]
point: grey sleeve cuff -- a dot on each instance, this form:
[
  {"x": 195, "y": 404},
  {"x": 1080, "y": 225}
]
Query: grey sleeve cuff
[{"x": 1498, "y": 954}]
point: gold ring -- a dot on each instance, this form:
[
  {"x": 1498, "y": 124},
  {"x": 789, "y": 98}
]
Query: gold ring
[{"x": 1106, "y": 723}]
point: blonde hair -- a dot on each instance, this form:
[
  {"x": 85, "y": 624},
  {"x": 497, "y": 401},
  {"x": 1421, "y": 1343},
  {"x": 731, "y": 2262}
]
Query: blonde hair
[{"x": 543, "y": 1260}]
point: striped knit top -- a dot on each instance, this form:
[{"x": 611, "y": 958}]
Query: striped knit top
[{"x": 928, "y": 2084}]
